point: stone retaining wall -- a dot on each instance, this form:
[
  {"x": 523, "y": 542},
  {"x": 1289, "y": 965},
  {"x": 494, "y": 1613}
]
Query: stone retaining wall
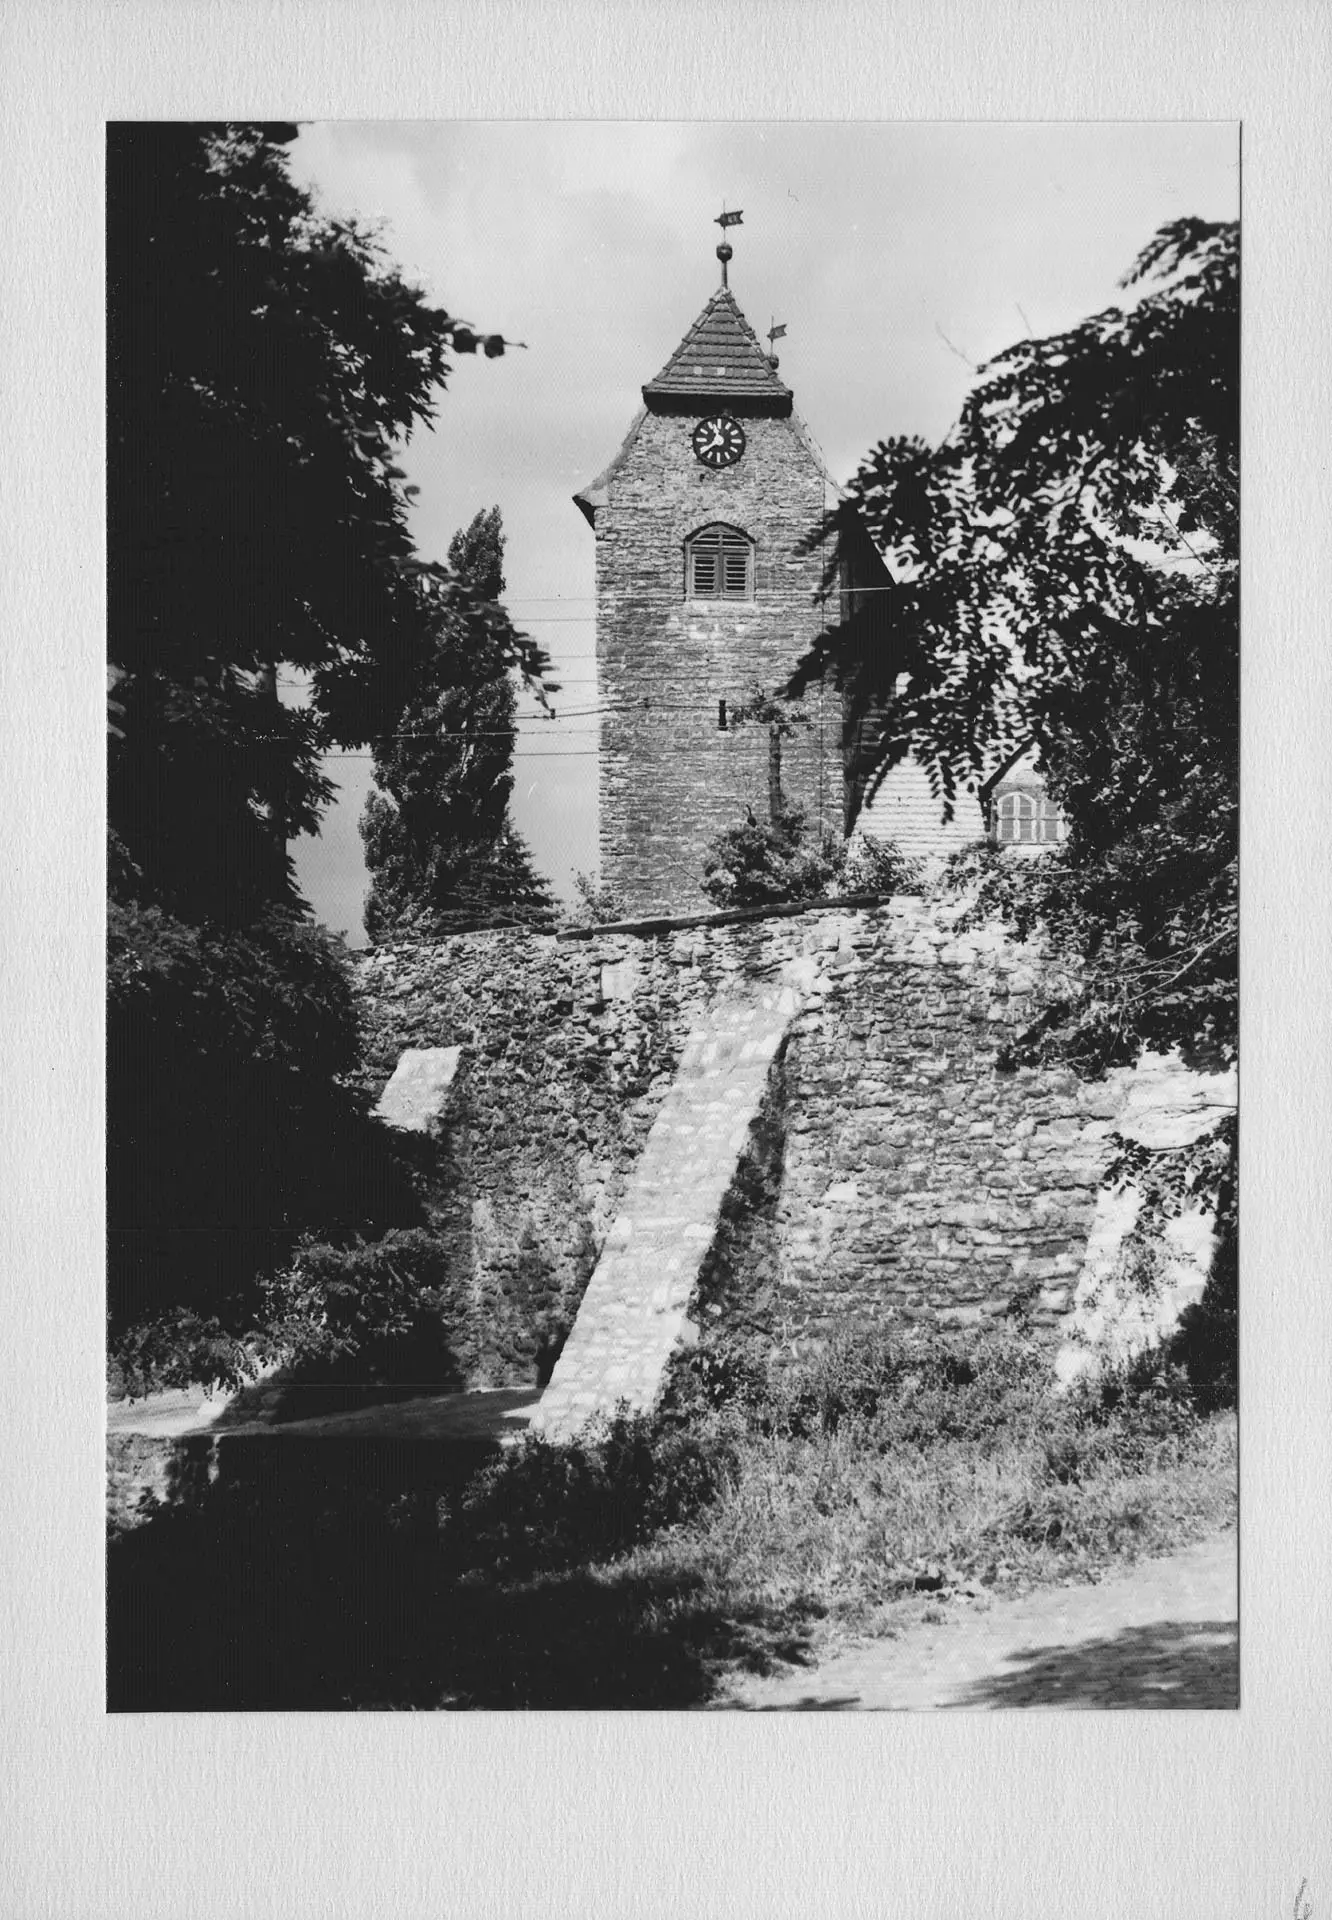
[{"x": 907, "y": 1175}]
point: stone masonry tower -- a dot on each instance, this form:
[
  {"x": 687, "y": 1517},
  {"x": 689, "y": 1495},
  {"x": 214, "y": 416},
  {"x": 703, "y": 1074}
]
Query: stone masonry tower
[{"x": 704, "y": 595}]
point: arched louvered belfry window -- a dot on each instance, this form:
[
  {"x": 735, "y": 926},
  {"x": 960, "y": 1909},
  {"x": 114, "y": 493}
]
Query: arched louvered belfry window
[
  {"x": 1024, "y": 819},
  {"x": 719, "y": 564}
]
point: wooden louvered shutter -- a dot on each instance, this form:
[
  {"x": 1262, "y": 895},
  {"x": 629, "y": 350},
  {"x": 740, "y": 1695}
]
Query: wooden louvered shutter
[
  {"x": 720, "y": 565},
  {"x": 735, "y": 559},
  {"x": 703, "y": 568}
]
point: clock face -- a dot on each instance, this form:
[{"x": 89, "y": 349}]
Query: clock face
[{"x": 718, "y": 442}]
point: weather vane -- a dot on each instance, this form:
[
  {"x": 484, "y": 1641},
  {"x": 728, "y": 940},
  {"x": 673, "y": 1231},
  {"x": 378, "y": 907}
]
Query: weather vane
[
  {"x": 775, "y": 332},
  {"x": 725, "y": 250}
]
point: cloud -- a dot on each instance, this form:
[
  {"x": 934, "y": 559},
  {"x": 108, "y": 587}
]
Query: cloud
[{"x": 593, "y": 242}]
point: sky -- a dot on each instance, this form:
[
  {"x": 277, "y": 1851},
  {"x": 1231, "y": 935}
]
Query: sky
[{"x": 899, "y": 256}]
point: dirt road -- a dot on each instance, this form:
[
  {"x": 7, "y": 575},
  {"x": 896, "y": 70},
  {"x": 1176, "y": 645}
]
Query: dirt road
[{"x": 1163, "y": 1633}]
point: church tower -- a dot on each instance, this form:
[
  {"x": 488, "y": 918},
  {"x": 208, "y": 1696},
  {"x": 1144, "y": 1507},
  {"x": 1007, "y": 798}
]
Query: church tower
[{"x": 708, "y": 590}]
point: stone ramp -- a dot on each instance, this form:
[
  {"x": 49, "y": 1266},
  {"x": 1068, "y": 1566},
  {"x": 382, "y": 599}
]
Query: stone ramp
[{"x": 635, "y": 1310}]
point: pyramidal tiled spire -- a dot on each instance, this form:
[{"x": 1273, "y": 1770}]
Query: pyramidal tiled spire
[{"x": 718, "y": 359}]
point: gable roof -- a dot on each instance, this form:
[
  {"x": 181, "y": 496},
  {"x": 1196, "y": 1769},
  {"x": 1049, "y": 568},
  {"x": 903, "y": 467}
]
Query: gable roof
[
  {"x": 719, "y": 358},
  {"x": 1015, "y": 769},
  {"x": 594, "y": 494}
]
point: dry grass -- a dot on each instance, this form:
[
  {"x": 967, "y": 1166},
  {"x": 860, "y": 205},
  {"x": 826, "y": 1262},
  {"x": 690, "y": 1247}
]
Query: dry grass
[
  {"x": 839, "y": 1533},
  {"x": 756, "y": 1520}
]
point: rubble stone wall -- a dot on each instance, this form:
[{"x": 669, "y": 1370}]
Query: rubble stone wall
[{"x": 904, "y": 1172}]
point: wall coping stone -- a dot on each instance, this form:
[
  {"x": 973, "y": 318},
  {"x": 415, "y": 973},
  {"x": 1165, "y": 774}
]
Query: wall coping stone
[{"x": 729, "y": 917}]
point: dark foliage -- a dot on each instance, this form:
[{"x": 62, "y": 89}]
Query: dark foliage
[
  {"x": 548, "y": 1506},
  {"x": 417, "y": 1573},
  {"x": 1206, "y": 1342},
  {"x": 320, "y": 1577},
  {"x": 261, "y": 363},
  {"x": 1067, "y": 569},
  {"x": 764, "y": 862},
  {"x": 264, "y": 363},
  {"x": 390, "y": 1309},
  {"x": 229, "y": 1134}
]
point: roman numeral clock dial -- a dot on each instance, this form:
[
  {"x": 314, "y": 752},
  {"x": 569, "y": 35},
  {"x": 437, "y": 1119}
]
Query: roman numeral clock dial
[{"x": 718, "y": 441}]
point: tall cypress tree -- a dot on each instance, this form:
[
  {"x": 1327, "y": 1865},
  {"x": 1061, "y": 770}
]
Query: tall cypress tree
[{"x": 442, "y": 851}]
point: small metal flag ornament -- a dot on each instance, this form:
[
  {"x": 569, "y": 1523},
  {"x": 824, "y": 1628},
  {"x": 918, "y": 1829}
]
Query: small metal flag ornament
[{"x": 725, "y": 250}]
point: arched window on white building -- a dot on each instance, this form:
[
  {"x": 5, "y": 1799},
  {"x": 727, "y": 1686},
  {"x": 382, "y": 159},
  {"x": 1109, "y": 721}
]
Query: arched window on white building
[{"x": 1023, "y": 818}]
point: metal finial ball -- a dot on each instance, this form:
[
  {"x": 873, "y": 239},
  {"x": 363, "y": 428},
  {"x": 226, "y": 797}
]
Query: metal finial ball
[{"x": 725, "y": 251}]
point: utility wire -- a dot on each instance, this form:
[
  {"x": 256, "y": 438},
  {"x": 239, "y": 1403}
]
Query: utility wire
[
  {"x": 575, "y": 753},
  {"x": 655, "y": 596},
  {"x": 645, "y": 711}
]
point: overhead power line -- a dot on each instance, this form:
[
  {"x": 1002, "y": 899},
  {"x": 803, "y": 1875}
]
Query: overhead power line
[
  {"x": 504, "y": 733},
  {"x": 574, "y": 753}
]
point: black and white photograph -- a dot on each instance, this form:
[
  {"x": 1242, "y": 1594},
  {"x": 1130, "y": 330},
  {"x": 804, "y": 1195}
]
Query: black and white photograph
[
  {"x": 673, "y": 713},
  {"x": 664, "y": 1213}
]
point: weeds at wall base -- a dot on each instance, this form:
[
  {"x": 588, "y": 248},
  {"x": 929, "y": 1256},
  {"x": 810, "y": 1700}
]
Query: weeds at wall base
[{"x": 753, "y": 1522}]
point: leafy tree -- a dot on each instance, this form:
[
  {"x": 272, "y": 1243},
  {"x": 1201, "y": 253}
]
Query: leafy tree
[
  {"x": 476, "y": 554},
  {"x": 442, "y": 851},
  {"x": 230, "y": 1133},
  {"x": 761, "y": 862},
  {"x": 1067, "y": 569},
  {"x": 264, "y": 363}
]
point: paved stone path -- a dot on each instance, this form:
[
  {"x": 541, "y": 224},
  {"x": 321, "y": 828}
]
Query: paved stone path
[
  {"x": 277, "y": 1408},
  {"x": 635, "y": 1309},
  {"x": 169, "y": 1445},
  {"x": 1164, "y": 1633}
]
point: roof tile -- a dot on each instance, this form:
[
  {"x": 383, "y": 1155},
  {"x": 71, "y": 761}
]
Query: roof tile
[{"x": 719, "y": 356}]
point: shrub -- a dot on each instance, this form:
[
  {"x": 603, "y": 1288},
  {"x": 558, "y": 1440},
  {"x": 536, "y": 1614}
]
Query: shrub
[
  {"x": 722, "y": 1375},
  {"x": 762, "y": 862},
  {"x": 174, "y": 1348},
  {"x": 765, "y": 862},
  {"x": 916, "y": 1388},
  {"x": 384, "y": 1310},
  {"x": 230, "y": 1129},
  {"x": 387, "y": 1309},
  {"x": 1206, "y": 1342},
  {"x": 547, "y": 1505},
  {"x": 914, "y": 1423},
  {"x": 916, "y": 1391},
  {"x": 597, "y": 903},
  {"x": 870, "y": 865}
]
